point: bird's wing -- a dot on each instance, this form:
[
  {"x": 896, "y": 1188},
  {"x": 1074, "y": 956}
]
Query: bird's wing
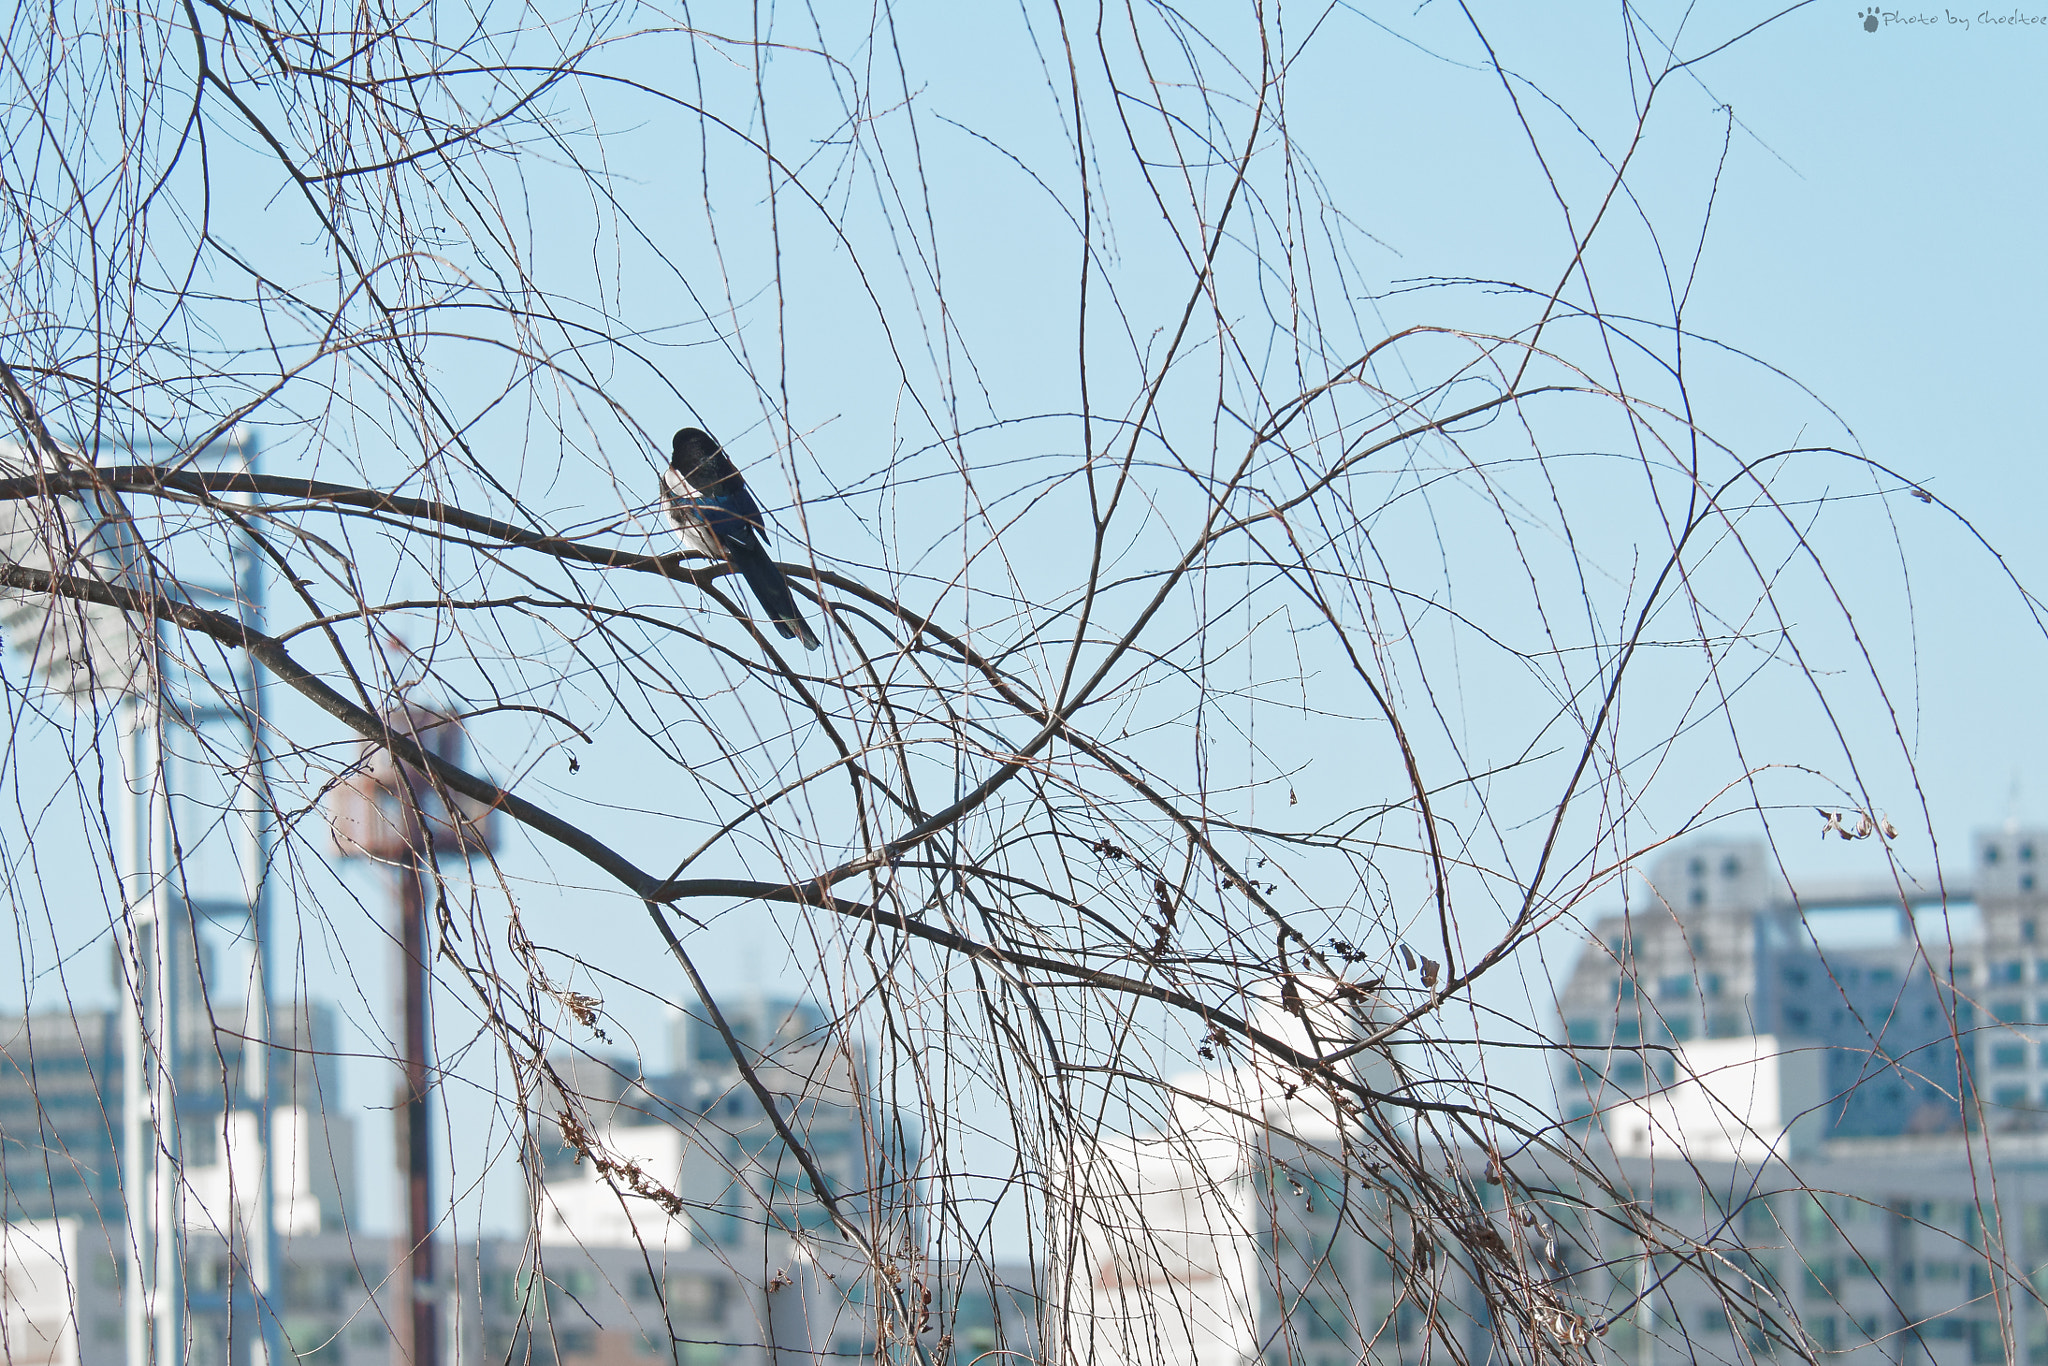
[
  {"x": 729, "y": 490},
  {"x": 734, "y": 494},
  {"x": 687, "y": 510}
]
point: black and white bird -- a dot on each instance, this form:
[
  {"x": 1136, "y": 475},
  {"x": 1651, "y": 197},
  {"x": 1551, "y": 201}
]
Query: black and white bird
[{"x": 717, "y": 517}]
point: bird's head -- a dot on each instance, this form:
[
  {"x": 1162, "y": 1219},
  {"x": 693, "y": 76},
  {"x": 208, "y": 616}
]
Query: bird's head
[{"x": 694, "y": 455}]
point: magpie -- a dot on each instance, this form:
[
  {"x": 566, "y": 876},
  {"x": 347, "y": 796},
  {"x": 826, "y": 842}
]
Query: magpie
[{"x": 716, "y": 517}]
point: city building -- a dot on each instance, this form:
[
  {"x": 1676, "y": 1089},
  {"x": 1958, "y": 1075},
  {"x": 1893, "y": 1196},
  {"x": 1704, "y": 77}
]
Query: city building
[
  {"x": 62, "y": 1255},
  {"x": 1244, "y": 1230},
  {"x": 1902, "y": 1250},
  {"x": 702, "y": 1135},
  {"x": 1878, "y": 981},
  {"x": 1843, "y": 1085},
  {"x": 678, "y": 1226},
  {"x": 1809, "y": 1120},
  {"x": 675, "y": 1210},
  {"x": 60, "y": 1116}
]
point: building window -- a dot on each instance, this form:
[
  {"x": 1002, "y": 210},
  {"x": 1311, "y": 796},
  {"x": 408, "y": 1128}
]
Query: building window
[
  {"x": 2007, "y": 1056},
  {"x": 1990, "y": 853},
  {"x": 1325, "y": 1322},
  {"x": 1711, "y": 983},
  {"x": 2010, "y": 1012},
  {"x": 2026, "y": 853},
  {"x": 694, "y": 1299},
  {"x": 1680, "y": 984},
  {"x": 2012, "y": 1097},
  {"x": 202, "y": 1143},
  {"x": 2028, "y": 931},
  {"x": 2009, "y": 973}
]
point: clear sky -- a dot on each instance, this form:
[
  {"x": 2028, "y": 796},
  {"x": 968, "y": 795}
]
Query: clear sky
[{"x": 1876, "y": 235}]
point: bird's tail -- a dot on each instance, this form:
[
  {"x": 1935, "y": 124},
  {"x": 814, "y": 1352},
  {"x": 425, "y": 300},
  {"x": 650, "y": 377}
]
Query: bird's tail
[{"x": 771, "y": 589}]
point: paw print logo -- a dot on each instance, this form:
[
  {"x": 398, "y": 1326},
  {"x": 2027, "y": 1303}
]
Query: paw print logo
[{"x": 1870, "y": 20}]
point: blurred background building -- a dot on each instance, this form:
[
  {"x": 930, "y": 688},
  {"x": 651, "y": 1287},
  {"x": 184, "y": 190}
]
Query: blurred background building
[
  {"x": 1813, "y": 1086},
  {"x": 743, "y": 1264},
  {"x": 1812, "y": 1081}
]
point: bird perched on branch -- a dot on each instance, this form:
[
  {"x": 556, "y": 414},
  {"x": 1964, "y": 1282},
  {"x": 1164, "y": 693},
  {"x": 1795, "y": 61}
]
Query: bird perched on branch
[{"x": 716, "y": 517}]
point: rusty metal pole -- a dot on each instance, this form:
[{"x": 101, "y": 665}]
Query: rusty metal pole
[
  {"x": 418, "y": 1316},
  {"x": 392, "y": 812}
]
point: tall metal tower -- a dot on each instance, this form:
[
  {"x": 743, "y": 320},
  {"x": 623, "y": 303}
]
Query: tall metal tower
[{"x": 194, "y": 864}]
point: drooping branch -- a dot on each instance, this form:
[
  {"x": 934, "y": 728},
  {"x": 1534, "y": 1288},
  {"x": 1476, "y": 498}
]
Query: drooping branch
[{"x": 814, "y": 892}]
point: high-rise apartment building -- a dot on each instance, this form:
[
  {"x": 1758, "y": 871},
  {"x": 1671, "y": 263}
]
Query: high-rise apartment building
[
  {"x": 1826, "y": 1095},
  {"x": 1914, "y": 998}
]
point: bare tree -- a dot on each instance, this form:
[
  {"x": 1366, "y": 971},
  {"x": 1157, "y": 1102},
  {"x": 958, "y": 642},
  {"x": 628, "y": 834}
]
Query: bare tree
[{"x": 1228, "y": 659}]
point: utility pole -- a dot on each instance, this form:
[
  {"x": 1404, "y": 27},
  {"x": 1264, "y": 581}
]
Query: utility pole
[
  {"x": 399, "y": 816},
  {"x": 415, "y": 964}
]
